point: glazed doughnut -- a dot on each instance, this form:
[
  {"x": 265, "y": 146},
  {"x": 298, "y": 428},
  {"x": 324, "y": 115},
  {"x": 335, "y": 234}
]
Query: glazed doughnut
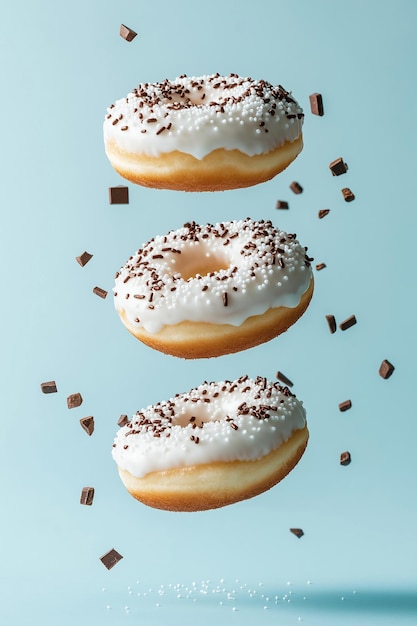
[
  {"x": 205, "y": 291},
  {"x": 206, "y": 133},
  {"x": 218, "y": 444}
]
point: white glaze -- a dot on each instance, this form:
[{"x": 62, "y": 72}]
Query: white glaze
[
  {"x": 251, "y": 116},
  {"x": 160, "y": 437},
  {"x": 154, "y": 292}
]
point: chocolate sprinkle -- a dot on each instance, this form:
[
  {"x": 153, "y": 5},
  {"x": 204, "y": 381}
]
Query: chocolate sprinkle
[
  {"x": 296, "y": 187},
  {"x": 127, "y": 33},
  {"x": 49, "y": 387},
  {"x": 320, "y": 266},
  {"x": 111, "y": 558},
  {"x": 281, "y": 377},
  {"x": 316, "y": 104},
  {"x": 323, "y": 212},
  {"x": 347, "y": 323},
  {"x": 87, "y": 424},
  {"x": 331, "y": 321},
  {"x": 119, "y": 195},
  {"x": 345, "y": 406},
  {"x": 386, "y": 369},
  {"x": 348, "y": 196},
  {"x": 345, "y": 458},
  {"x": 298, "y": 532},
  {"x": 338, "y": 167},
  {"x": 100, "y": 292},
  {"x": 74, "y": 400},
  {"x": 87, "y": 496},
  {"x": 123, "y": 420},
  {"x": 83, "y": 258},
  {"x": 282, "y": 204}
]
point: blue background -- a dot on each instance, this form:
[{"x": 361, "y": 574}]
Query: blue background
[{"x": 62, "y": 65}]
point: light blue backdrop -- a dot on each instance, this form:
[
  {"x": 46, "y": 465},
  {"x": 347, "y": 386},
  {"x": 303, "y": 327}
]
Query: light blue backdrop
[{"x": 62, "y": 65}]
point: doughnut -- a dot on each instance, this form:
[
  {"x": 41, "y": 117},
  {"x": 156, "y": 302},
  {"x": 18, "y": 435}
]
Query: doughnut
[
  {"x": 206, "y": 133},
  {"x": 220, "y": 443},
  {"x": 205, "y": 291}
]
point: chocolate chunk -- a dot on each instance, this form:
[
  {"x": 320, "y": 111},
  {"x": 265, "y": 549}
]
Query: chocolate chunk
[
  {"x": 127, "y": 33},
  {"x": 74, "y": 400},
  {"x": 111, "y": 558},
  {"x": 323, "y": 212},
  {"x": 316, "y": 104},
  {"x": 347, "y": 194},
  {"x": 100, "y": 292},
  {"x": 87, "y": 496},
  {"x": 345, "y": 458},
  {"x": 83, "y": 258},
  {"x": 350, "y": 321},
  {"x": 331, "y": 323},
  {"x": 298, "y": 532},
  {"x": 345, "y": 406},
  {"x": 283, "y": 379},
  {"x": 123, "y": 420},
  {"x": 87, "y": 424},
  {"x": 386, "y": 368},
  {"x": 320, "y": 266},
  {"x": 49, "y": 387},
  {"x": 119, "y": 195},
  {"x": 296, "y": 187},
  {"x": 338, "y": 167},
  {"x": 281, "y": 204}
]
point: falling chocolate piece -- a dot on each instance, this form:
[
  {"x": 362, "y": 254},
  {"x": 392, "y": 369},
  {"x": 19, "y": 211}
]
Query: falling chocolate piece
[
  {"x": 386, "y": 369},
  {"x": 298, "y": 532},
  {"x": 320, "y": 266},
  {"x": 100, "y": 292},
  {"x": 49, "y": 387},
  {"x": 127, "y": 33},
  {"x": 331, "y": 321},
  {"x": 345, "y": 458},
  {"x": 316, "y": 104},
  {"x": 74, "y": 400},
  {"x": 87, "y": 496},
  {"x": 111, "y": 558},
  {"x": 296, "y": 187},
  {"x": 323, "y": 212},
  {"x": 281, "y": 204},
  {"x": 83, "y": 258},
  {"x": 123, "y": 420},
  {"x": 119, "y": 195},
  {"x": 338, "y": 167},
  {"x": 345, "y": 406},
  {"x": 283, "y": 379},
  {"x": 350, "y": 321},
  {"x": 87, "y": 424},
  {"x": 347, "y": 194}
]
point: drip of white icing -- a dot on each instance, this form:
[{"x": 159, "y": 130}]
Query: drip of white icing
[
  {"x": 219, "y": 274},
  {"x": 227, "y": 421},
  {"x": 196, "y": 115}
]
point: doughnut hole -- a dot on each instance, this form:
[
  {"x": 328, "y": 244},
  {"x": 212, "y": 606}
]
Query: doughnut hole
[
  {"x": 199, "y": 261},
  {"x": 197, "y": 414},
  {"x": 193, "y": 97},
  {"x": 207, "y": 411}
]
